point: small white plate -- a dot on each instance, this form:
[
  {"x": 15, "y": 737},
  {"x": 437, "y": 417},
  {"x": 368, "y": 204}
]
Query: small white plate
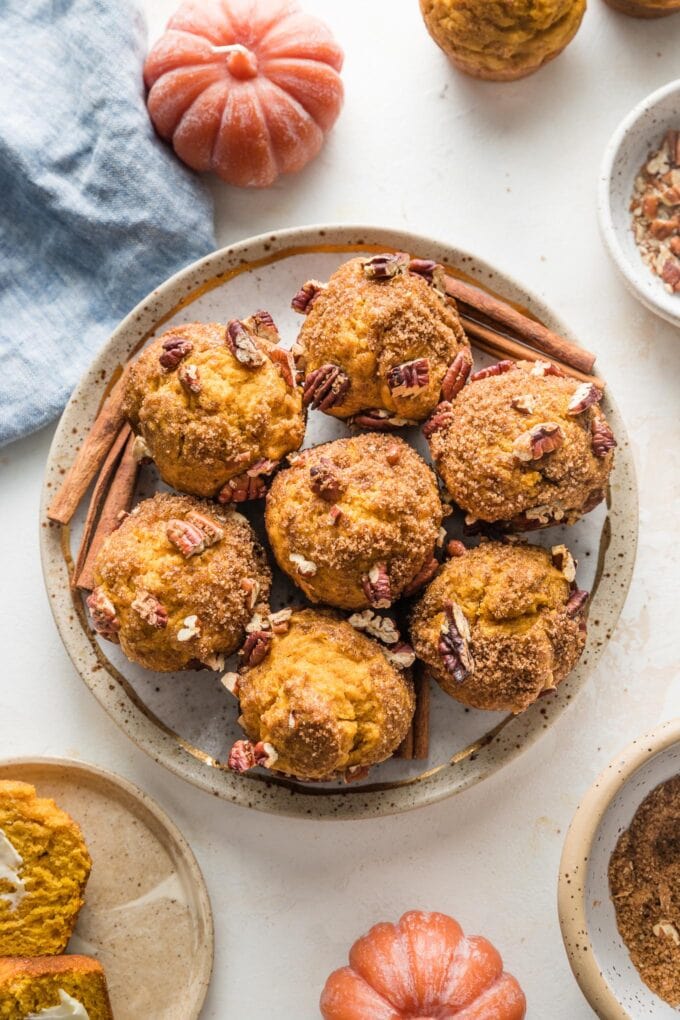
[
  {"x": 635, "y": 137},
  {"x": 596, "y": 951}
]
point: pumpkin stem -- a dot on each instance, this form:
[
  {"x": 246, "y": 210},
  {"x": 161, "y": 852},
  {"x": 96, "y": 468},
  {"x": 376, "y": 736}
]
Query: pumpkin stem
[{"x": 241, "y": 62}]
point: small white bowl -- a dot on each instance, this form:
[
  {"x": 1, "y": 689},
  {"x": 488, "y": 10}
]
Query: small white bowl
[
  {"x": 597, "y": 954},
  {"x": 639, "y": 133}
]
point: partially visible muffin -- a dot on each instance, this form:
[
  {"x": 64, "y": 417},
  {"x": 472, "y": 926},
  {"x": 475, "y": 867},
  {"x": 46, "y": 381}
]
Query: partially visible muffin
[
  {"x": 354, "y": 522},
  {"x": 645, "y": 9},
  {"x": 216, "y": 407},
  {"x": 524, "y": 444},
  {"x": 501, "y": 624},
  {"x": 44, "y": 869},
  {"x": 379, "y": 341},
  {"x": 319, "y": 699},
  {"x": 53, "y": 986},
  {"x": 177, "y": 583},
  {"x": 502, "y": 41}
]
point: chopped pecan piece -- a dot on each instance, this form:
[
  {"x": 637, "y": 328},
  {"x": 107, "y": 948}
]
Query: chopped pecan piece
[
  {"x": 525, "y": 403},
  {"x": 103, "y": 613},
  {"x": 423, "y": 577},
  {"x": 186, "y": 537},
  {"x": 191, "y": 628},
  {"x": 456, "y": 375},
  {"x": 306, "y": 296},
  {"x": 280, "y": 621},
  {"x": 231, "y": 681},
  {"x": 377, "y": 587},
  {"x": 402, "y": 655},
  {"x": 584, "y": 397},
  {"x": 326, "y": 387},
  {"x": 594, "y": 499},
  {"x": 256, "y": 647},
  {"x": 175, "y": 349},
  {"x": 431, "y": 271},
  {"x": 241, "y": 344},
  {"x": 190, "y": 378},
  {"x": 393, "y": 454},
  {"x": 670, "y": 274},
  {"x": 379, "y": 420},
  {"x": 262, "y": 324},
  {"x": 384, "y": 267},
  {"x": 409, "y": 377},
  {"x": 151, "y": 610},
  {"x": 242, "y": 488},
  {"x": 601, "y": 437},
  {"x": 215, "y": 662},
  {"x": 455, "y": 548},
  {"x": 306, "y": 568},
  {"x": 380, "y": 627},
  {"x": 325, "y": 480},
  {"x": 334, "y": 514},
  {"x": 252, "y": 589},
  {"x": 439, "y": 419},
  {"x": 245, "y": 755},
  {"x": 356, "y": 773},
  {"x": 542, "y": 368},
  {"x": 285, "y": 363},
  {"x": 212, "y": 532},
  {"x": 454, "y": 643},
  {"x": 500, "y": 368},
  {"x": 140, "y": 450},
  {"x": 538, "y": 441},
  {"x": 577, "y": 602},
  {"x": 564, "y": 562}
]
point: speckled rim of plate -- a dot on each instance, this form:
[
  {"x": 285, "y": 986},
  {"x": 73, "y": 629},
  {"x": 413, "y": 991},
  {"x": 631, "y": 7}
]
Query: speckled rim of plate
[
  {"x": 267, "y": 792},
  {"x": 639, "y": 280},
  {"x": 571, "y": 889},
  {"x": 146, "y": 810}
]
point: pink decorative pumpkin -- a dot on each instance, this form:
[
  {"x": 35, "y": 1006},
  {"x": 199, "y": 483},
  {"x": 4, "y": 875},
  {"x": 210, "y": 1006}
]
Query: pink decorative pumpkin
[
  {"x": 246, "y": 88},
  {"x": 422, "y": 968}
]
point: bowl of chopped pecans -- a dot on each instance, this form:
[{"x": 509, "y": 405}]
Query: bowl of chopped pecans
[
  {"x": 639, "y": 201},
  {"x": 619, "y": 883}
]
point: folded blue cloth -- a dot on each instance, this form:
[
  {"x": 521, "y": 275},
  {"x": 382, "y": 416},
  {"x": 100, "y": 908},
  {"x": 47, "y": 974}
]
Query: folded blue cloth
[{"x": 95, "y": 212}]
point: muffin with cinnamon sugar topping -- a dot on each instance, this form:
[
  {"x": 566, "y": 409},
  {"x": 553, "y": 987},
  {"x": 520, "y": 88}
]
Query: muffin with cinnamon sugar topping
[
  {"x": 523, "y": 444},
  {"x": 501, "y": 624}
]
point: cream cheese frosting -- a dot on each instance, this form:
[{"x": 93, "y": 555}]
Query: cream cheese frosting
[
  {"x": 68, "y": 1009},
  {"x": 10, "y": 865}
]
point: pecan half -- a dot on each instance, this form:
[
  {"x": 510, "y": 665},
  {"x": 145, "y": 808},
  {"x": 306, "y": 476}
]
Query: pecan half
[
  {"x": 186, "y": 537},
  {"x": 325, "y": 480},
  {"x": 256, "y": 647},
  {"x": 212, "y": 532},
  {"x": 431, "y": 271},
  {"x": 402, "y": 655},
  {"x": 541, "y": 368},
  {"x": 409, "y": 377},
  {"x": 454, "y": 643},
  {"x": 306, "y": 296},
  {"x": 455, "y": 548},
  {"x": 379, "y": 420},
  {"x": 175, "y": 349},
  {"x": 577, "y": 602},
  {"x": 242, "y": 488},
  {"x": 439, "y": 419},
  {"x": 103, "y": 613},
  {"x": 384, "y": 267},
  {"x": 377, "y": 587},
  {"x": 500, "y": 368},
  {"x": 538, "y": 441},
  {"x": 190, "y": 378},
  {"x": 325, "y": 387},
  {"x": 424, "y": 575},
  {"x": 525, "y": 403},
  {"x": 456, "y": 375},
  {"x": 262, "y": 324},
  {"x": 285, "y": 363},
  {"x": 564, "y": 562},
  {"x": 241, "y": 344},
  {"x": 584, "y": 397},
  {"x": 601, "y": 437},
  {"x": 151, "y": 610},
  {"x": 245, "y": 755}
]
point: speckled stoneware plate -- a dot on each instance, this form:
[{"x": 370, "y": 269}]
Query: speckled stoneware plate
[
  {"x": 188, "y": 721},
  {"x": 147, "y": 915},
  {"x": 636, "y": 136},
  {"x": 596, "y": 951}
]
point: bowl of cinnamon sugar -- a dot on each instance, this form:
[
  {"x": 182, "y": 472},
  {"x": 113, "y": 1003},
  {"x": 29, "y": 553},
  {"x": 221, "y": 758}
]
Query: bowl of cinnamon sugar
[
  {"x": 639, "y": 201},
  {"x": 619, "y": 883}
]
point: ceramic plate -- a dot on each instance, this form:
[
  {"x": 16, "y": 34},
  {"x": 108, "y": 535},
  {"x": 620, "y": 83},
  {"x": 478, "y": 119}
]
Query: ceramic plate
[
  {"x": 188, "y": 721},
  {"x": 147, "y": 915},
  {"x": 596, "y": 951}
]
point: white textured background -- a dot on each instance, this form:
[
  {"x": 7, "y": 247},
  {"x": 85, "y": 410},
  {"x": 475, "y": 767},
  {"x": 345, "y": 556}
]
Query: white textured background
[{"x": 507, "y": 171}]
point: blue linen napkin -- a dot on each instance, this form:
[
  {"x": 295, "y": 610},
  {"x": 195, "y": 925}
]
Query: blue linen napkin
[{"x": 95, "y": 211}]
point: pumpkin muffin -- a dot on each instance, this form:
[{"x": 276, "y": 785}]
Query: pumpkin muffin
[
  {"x": 643, "y": 9},
  {"x": 501, "y": 624},
  {"x": 53, "y": 986},
  {"x": 523, "y": 444},
  {"x": 380, "y": 341},
  {"x": 319, "y": 699},
  {"x": 216, "y": 408},
  {"x": 502, "y": 41},
  {"x": 44, "y": 866},
  {"x": 354, "y": 522},
  {"x": 177, "y": 583}
]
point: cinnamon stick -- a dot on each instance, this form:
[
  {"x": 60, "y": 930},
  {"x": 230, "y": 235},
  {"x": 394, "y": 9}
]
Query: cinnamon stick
[
  {"x": 528, "y": 330},
  {"x": 98, "y": 495},
  {"x": 118, "y": 500},
  {"x": 421, "y": 717},
  {"x": 500, "y": 346},
  {"x": 91, "y": 455}
]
